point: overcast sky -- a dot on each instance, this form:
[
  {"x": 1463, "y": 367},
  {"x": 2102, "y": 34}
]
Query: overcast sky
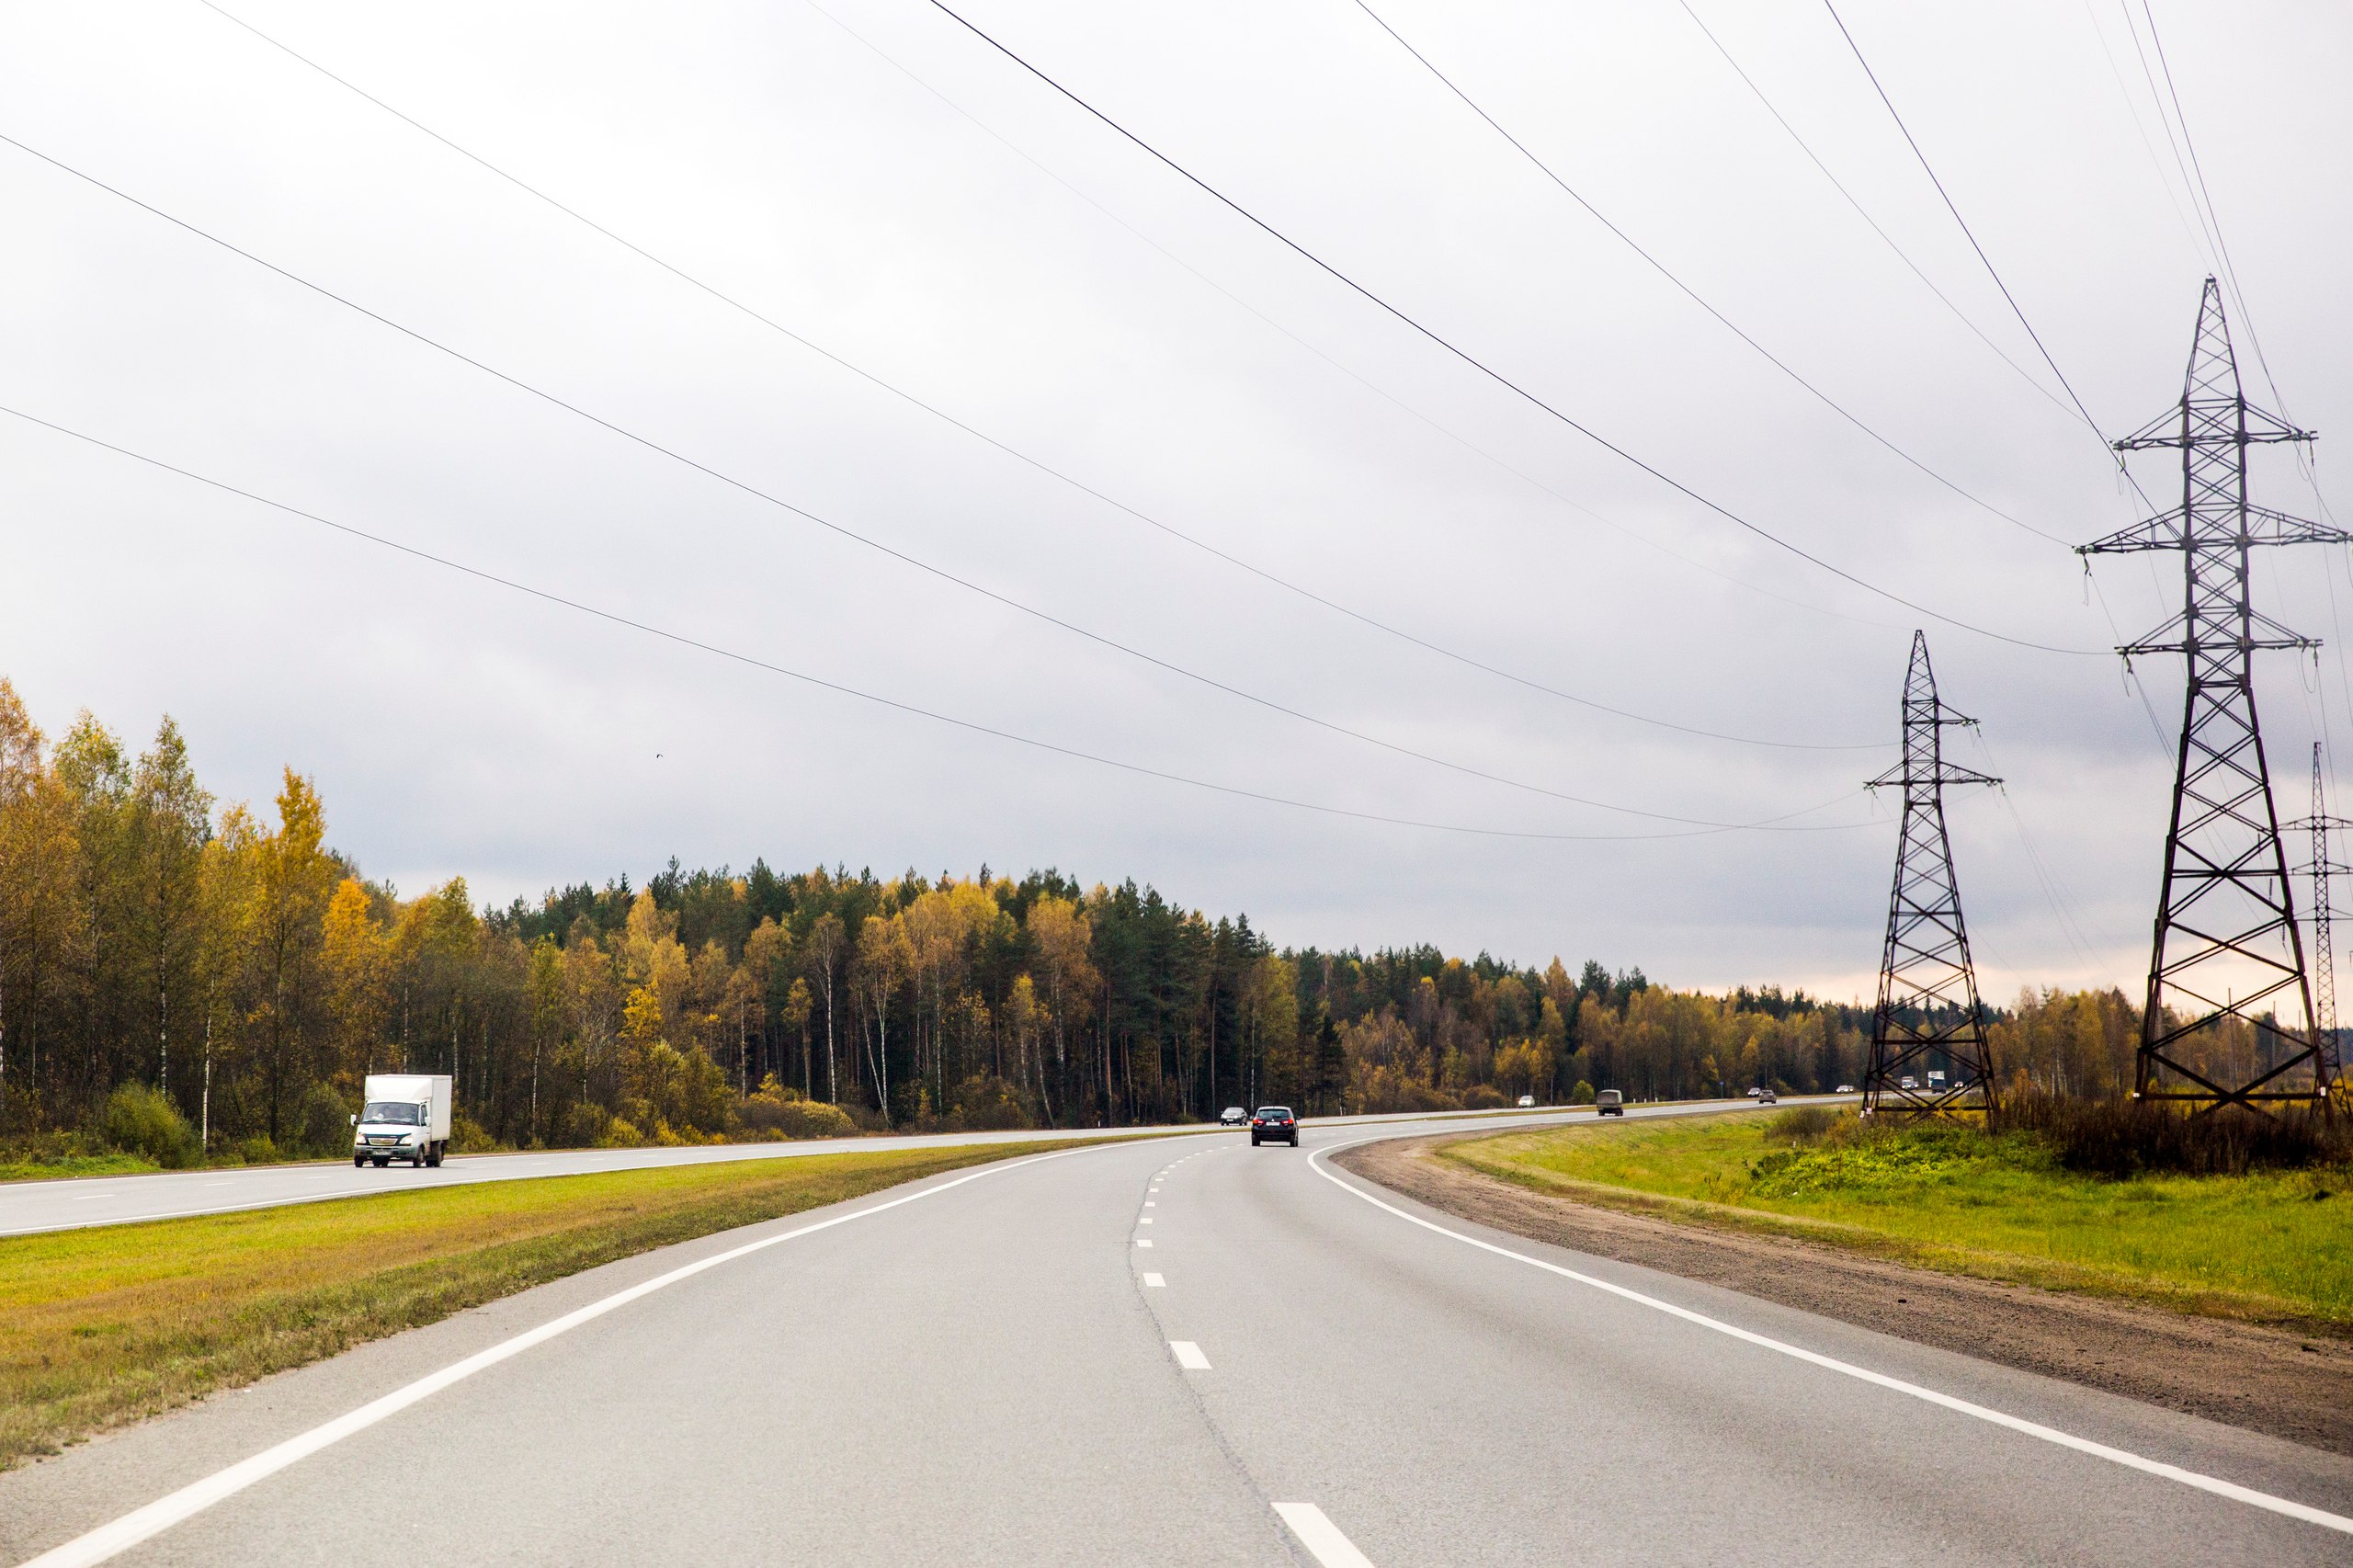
[{"x": 873, "y": 177}]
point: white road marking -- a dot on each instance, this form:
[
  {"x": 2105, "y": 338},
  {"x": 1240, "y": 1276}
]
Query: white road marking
[
  {"x": 1154, "y": 1281},
  {"x": 1143, "y": 1241},
  {"x": 1320, "y": 1536},
  {"x": 1188, "y": 1356},
  {"x": 87, "y": 1197},
  {"x": 220, "y": 1184},
  {"x": 1145, "y": 1220},
  {"x": 1150, "y": 1204},
  {"x": 143, "y": 1524},
  {"x": 2124, "y": 1456}
]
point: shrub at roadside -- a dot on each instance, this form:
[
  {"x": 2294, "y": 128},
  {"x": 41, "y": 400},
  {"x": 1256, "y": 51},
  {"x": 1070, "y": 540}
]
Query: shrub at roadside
[
  {"x": 2123, "y": 1137},
  {"x": 140, "y": 1121},
  {"x": 777, "y": 1112}
]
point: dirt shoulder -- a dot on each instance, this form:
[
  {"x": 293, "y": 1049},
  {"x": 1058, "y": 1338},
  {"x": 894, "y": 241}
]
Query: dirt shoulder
[{"x": 2277, "y": 1381}]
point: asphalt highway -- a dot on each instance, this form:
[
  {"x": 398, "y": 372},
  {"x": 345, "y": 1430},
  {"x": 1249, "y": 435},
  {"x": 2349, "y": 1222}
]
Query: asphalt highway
[
  {"x": 1175, "y": 1352},
  {"x": 30, "y": 1207}
]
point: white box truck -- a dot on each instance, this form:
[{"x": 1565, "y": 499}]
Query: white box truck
[{"x": 405, "y": 1117}]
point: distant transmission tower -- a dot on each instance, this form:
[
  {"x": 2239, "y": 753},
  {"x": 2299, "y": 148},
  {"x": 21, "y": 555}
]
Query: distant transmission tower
[
  {"x": 2228, "y": 948},
  {"x": 2323, "y": 953},
  {"x": 1929, "y": 1035}
]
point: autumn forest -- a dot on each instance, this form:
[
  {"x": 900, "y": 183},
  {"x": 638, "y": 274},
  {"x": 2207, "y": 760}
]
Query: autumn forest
[{"x": 231, "y": 962}]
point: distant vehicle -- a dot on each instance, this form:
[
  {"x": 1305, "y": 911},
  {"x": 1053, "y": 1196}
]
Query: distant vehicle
[
  {"x": 1846, "y": 1089},
  {"x": 1234, "y": 1115},
  {"x": 1527, "y": 1102},
  {"x": 1766, "y": 1095},
  {"x": 1273, "y": 1122},
  {"x": 1754, "y": 1093},
  {"x": 402, "y": 1116},
  {"x": 1609, "y": 1102},
  {"x": 1909, "y": 1082}
]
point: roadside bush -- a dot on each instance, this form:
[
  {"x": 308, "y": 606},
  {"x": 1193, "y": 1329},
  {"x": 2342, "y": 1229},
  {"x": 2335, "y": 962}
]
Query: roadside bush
[
  {"x": 1484, "y": 1096},
  {"x": 988, "y": 1104},
  {"x": 323, "y": 1122},
  {"x": 2123, "y": 1137},
  {"x": 584, "y": 1126},
  {"x": 143, "y": 1121},
  {"x": 621, "y": 1133},
  {"x": 1801, "y": 1124},
  {"x": 255, "y": 1150},
  {"x": 774, "y": 1116},
  {"x": 1582, "y": 1094},
  {"x": 468, "y": 1136}
]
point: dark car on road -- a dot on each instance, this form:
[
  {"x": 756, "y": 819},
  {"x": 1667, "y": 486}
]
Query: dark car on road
[{"x": 1273, "y": 1124}]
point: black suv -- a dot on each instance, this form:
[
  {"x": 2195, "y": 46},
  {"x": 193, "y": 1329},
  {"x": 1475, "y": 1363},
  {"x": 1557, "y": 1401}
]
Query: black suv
[{"x": 1274, "y": 1123}]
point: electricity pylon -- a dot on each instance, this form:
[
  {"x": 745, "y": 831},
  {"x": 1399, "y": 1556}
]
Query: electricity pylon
[
  {"x": 1928, "y": 1021},
  {"x": 2323, "y": 953},
  {"x": 2228, "y": 950}
]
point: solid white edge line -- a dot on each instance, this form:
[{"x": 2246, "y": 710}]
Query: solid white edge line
[
  {"x": 1320, "y": 1536},
  {"x": 1188, "y": 1356},
  {"x": 2128, "y": 1459},
  {"x": 142, "y": 1523}
]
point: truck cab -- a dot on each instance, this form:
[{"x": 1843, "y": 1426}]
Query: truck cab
[{"x": 402, "y": 1116}]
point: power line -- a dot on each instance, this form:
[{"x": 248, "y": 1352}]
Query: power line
[
  {"x": 2210, "y": 219},
  {"x": 1700, "y": 829},
  {"x": 1691, "y": 293},
  {"x": 1480, "y": 365},
  {"x": 981, "y": 436},
  {"x": 1946, "y": 197},
  {"x": 2213, "y": 218},
  {"x": 1748, "y": 585},
  {"x": 843, "y": 530},
  {"x": 1864, "y": 213}
]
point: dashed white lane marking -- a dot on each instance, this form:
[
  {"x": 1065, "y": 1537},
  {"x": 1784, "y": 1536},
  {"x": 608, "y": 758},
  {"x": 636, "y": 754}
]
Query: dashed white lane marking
[
  {"x": 1320, "y": 1536},
  {"x": 2124, "y": 1456},
  {"x": 1145, "y": 1220},
  {"x": 87, "y": 1197},
  {"x": 220, "y": 1184},
  {"x": 142, "y": 1523},
  {"x": 1154, "y": 1281},
  {"x": 1188, "y": 1356},
  {"x": 1143, "y": 1241},
  {"x": 1150, "y": 1204}
]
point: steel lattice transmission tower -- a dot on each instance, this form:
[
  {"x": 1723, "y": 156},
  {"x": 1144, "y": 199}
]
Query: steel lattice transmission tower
[
  {"x": 1928, "y": 1019},
  {"x": 2323, "y": 953},
  {"x": 2228, "y": 951}
]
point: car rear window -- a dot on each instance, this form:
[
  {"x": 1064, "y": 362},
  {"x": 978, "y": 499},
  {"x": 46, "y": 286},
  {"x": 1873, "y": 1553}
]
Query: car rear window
[{"x": 1274, "y": 1112}]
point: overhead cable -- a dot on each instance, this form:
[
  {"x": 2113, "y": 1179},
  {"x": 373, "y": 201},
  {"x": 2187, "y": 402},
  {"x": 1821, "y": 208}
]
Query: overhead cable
[
  {"x": 1198, "y": 543},
  {"x": 1487, "y": 370},
  {"x": 1692, "y": 294},
  {"x": 843, "y": 530},
  {"x": 852, "y": 535},
  {"x": 1991, "y": 270},
  {"x": 1700, "y": 827},
  {"x": 1864, "y": 213}
]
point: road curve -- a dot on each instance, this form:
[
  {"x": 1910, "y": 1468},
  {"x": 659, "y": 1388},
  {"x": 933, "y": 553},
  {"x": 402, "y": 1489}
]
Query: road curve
[
  {"x": 27, "y": 1208},
  {"x": 993, "y": 1367}
]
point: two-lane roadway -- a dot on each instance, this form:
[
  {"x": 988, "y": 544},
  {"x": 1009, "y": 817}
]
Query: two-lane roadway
[{"x": 1177, "y": 1351}]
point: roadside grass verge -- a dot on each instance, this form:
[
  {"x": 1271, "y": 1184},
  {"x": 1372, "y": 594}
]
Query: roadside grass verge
[
  {"x": 104, "y": 1327},
  {"x": 2267, "y": 1246}
]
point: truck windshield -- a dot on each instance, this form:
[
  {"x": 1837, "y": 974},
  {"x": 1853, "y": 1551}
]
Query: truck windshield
[{"x": 394, "y": 1110}]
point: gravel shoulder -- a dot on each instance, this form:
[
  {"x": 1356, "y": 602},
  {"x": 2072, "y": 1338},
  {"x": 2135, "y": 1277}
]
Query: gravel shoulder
[{"x": 2280, "y": 1381}]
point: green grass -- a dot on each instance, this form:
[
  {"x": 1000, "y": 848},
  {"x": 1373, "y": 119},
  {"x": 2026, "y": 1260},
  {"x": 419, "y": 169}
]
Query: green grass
[
  {"x": 102, "y": 1326},
  {"x": 76, "y": 1165},
  {"x": 2270, "y": 1245}
]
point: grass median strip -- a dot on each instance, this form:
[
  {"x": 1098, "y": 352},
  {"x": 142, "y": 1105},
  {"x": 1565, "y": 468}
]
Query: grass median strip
[
  {"x": 2267, "y": 1246},
  {"x": 102, "y": 1326}
]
